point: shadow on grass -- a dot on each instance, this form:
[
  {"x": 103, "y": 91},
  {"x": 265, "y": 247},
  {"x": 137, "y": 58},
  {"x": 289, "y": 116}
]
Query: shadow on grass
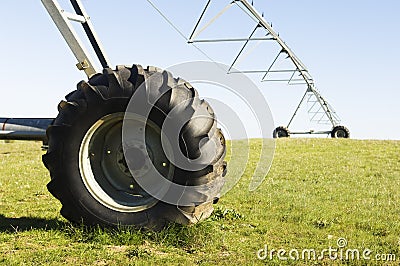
[
  {"x": 13, "y": 225},
  {"x": 188, "y": 238}
]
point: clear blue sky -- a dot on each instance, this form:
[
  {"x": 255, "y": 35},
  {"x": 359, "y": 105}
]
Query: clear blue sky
[{"x": 350, "y": 47}]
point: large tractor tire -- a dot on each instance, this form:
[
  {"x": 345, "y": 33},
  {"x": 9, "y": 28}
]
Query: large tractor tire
[
  {"x": 89, "y": 172},
  {"x": 339, "y": 132},
  {"x": 281, "y": 132}
]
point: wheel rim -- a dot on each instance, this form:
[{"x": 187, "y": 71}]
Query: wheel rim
[
  {"x": 281, "y": 134},
  {"x": 340, "y": 134},
  {"x": 104, "y": 168}
]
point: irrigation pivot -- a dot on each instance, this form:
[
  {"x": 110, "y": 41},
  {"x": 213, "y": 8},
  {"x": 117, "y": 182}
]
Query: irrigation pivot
[{"x": 100, "y": 153}]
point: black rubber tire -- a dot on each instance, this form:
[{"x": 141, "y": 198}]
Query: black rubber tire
[
  {"x": 281, "y": 132},
  {"x": 110, "y": 93},
  {"x": 340, "y": 132}
]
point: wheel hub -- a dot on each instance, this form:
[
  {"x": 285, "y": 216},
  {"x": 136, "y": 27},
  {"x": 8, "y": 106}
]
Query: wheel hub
[
  {"x": 136, "y": 158},
  {"x": 340, "y": 134}
]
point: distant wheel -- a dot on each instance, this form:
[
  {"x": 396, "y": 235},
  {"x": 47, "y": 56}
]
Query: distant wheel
[
  {"x": 86, "y": 154},
  {"x": 340, "y": 132},
  {"x": 281, "y": 132}
]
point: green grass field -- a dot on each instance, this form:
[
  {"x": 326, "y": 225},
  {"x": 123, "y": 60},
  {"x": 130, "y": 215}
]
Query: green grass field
[{"x": 318, "y": 191}]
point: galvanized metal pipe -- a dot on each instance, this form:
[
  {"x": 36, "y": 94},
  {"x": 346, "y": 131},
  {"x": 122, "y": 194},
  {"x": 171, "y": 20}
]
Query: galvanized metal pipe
[
  {"x": 24, "y": 128},
  {"x": 64, "y": 25}
]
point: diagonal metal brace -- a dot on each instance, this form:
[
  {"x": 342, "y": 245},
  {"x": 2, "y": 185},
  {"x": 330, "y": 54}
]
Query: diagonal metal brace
[{"x": 63, "y": 19}]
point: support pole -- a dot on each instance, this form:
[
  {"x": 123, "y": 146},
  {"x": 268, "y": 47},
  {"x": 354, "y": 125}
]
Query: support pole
[
  {"x": 297, "y": 109},
  {"x": 91, "y": 33}
]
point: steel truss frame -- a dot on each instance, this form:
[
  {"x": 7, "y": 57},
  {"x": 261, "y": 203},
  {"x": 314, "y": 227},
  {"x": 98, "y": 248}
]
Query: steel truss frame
[{"x": 319, "y": 110}]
